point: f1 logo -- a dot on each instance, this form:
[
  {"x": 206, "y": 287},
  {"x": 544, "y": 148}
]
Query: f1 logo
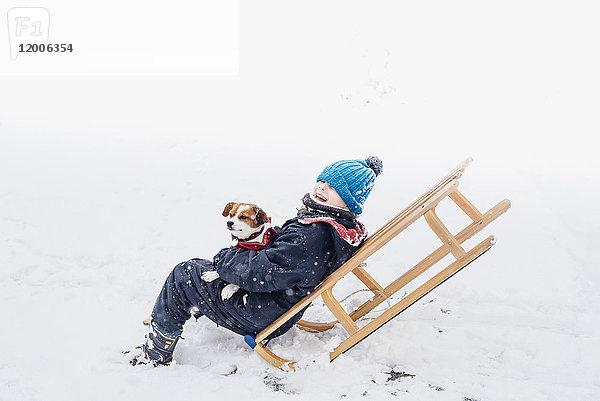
[{"x": 27, "y": 25}]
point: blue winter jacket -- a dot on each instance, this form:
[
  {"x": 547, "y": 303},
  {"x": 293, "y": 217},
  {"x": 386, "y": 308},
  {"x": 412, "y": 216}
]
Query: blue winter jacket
[{"x": 275, "y": 278}]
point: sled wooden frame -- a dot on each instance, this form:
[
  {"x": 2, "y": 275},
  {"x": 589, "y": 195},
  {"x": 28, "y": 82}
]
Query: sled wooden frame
[{"x": 424, "y": 206}]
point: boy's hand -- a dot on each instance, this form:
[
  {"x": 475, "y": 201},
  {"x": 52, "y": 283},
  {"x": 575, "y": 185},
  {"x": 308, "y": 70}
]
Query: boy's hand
[
  {"x": 210, "y": 276},
  {"x": 229, "y": 290}
]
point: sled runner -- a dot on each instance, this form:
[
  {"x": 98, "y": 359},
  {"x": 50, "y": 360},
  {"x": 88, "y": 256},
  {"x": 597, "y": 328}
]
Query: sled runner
[{"x": 424, "y": 206}]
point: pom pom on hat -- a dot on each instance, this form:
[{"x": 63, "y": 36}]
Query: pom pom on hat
[
  {"x": 375, "y": 163},
  {"x": 353, "y": 180}
]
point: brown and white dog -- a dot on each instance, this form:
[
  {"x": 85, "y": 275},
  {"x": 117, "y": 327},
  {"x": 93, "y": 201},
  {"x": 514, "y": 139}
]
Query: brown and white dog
[
  {"x": 250, "y": 228},
  {"x": 246, "y": 221}
]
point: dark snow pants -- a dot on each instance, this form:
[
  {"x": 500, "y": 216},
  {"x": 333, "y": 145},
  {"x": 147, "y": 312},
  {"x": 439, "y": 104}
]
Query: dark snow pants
[{"x": 185, "y": 293}]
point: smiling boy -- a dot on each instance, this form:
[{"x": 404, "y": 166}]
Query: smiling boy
[
  {"x": 307, "y": 249},
  {"x": 325, "y": 193}
]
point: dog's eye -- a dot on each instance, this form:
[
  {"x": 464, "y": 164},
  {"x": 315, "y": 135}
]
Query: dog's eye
[{"x": 243, "y": 217}]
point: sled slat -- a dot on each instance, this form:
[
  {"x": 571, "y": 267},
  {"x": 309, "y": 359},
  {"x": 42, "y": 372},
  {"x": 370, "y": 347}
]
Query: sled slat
[
  {"x": 465, "y": 205},
  {"x": 443, "y": 233},
  {"x": 367, "y": 280},
  {"x": 278, "y": 362},
  {"x": 315, "y": 327},
  {"x": 339, "y": 312}
]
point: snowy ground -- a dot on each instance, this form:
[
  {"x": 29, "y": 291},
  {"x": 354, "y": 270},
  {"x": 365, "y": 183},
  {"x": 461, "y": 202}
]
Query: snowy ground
[{"x": 108, "y": 182}]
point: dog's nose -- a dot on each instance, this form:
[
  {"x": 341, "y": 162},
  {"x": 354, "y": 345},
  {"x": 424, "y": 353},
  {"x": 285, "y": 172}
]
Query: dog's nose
[{"x": 229, "y": 223}]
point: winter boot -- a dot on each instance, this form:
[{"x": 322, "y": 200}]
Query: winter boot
[{"x": 158, "y": 349}]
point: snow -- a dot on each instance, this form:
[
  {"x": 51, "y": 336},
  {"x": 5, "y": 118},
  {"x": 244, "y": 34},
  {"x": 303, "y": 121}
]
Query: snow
[{"x": 108, "y": 182}]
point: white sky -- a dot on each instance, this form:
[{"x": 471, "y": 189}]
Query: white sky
[{"x": 514, "y": 81}]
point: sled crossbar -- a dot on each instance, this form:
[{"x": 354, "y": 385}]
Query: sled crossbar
[{"x": 424, "y": 207}]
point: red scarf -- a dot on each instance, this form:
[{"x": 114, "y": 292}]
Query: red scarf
[
  {"x": 269, "y": 236},
  {"x": 353, "y": 236}
]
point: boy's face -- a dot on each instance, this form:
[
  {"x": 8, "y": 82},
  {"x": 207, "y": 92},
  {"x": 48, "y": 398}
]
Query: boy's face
[{"x": 325, "y": 193}]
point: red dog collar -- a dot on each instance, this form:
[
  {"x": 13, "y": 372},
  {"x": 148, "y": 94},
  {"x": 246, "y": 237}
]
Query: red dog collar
[{"x": 268, "y": 237}]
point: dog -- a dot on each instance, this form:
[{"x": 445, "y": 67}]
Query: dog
[{"x": 250, "y": 228}]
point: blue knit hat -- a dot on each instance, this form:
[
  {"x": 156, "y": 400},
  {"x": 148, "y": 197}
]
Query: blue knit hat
[{"x": 353, "y": 180}]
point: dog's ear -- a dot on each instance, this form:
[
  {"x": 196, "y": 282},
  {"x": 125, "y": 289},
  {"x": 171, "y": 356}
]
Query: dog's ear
[
  {"x": 228, "y": 208},
  {"x": 261, "y": 216}
]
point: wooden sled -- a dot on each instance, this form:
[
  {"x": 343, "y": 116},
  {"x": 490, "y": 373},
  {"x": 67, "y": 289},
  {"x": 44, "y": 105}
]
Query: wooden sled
[{"x": 424, "y": 206}]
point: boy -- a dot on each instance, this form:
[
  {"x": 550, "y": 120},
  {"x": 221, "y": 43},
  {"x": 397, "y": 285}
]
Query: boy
[{"x": 307, "y": 249}]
